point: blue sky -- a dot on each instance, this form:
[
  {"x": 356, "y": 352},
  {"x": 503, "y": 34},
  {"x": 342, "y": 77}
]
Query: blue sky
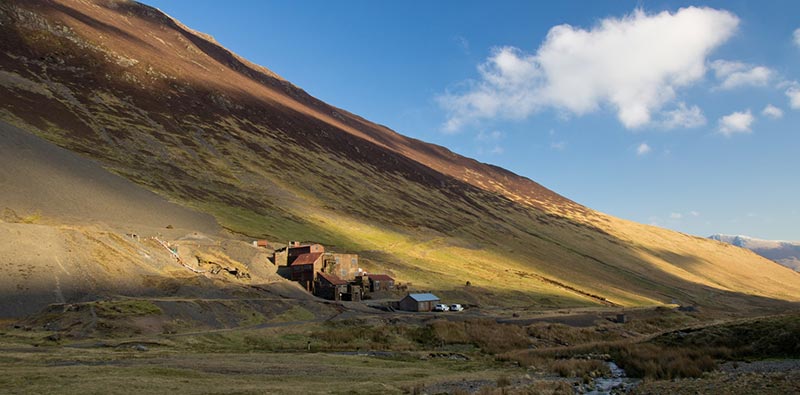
[{"x": 649, "y": 111}]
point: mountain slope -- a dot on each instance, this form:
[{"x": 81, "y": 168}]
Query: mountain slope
[
  {"x": 787, "y": 253},
  {"x": 49, "y": 182},
  {"x": 172, "y": 110},
  {"x": 72, "y": 231}
]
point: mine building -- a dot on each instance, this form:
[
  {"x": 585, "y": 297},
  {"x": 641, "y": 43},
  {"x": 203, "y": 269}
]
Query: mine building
[
  {"x": 286, "y": 255},
  {"x": 261, "y": 243},
  {"x": 344, "y": 266},
  {"x": 329, "y": 286},
  {"x": 321, "y": 272},
  {"x": 380, "y": 282},
  {"x": 354, "y": 292},
  {"x": 304, "y": 267},
  {"x": 418, "y": 302}
]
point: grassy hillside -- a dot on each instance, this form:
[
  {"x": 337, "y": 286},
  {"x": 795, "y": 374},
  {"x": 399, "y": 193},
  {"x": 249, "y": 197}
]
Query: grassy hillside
[{"x": 173, "y": 111}]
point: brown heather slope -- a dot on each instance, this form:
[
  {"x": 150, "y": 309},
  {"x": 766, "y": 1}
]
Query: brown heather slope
[{"x": 170, "y": 109}]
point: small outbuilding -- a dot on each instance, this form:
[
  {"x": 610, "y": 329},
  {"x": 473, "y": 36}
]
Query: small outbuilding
[
  {"x": 418, "y": 302},
  {"x": 303, "y": 268},
  {"x": 354, "y": 292},
  {"x": 380, "y": 282},
  {"x": 330, "y": 287}
]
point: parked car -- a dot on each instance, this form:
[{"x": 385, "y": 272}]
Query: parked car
[
  {"x": 441, "y": 307},
  {"x": 456, "y": 307}
]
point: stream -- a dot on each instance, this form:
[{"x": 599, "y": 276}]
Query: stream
[{"x": 617, "y": 383}]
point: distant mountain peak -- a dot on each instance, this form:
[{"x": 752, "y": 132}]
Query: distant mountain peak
[{"x": 787, "y": 253}]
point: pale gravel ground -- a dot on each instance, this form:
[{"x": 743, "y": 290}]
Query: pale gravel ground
[
  {"x": 759, "y": 377},
  {"x": 37, "y": 176},
  {"x": 768, "y": 366}
]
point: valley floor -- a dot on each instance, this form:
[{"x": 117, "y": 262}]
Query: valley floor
[
  {"x": 158, "y": 370},
  {"x": 354, "y": 351}
]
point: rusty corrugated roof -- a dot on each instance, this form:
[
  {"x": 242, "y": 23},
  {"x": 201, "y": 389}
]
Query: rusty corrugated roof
[
  {"x": 332, "y": 279},
  {"x": 379, "y": 277},
  {"x": 306, "y": 259}
]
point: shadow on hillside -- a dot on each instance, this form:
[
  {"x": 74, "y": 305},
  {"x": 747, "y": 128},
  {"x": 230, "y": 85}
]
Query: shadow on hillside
[
  {"x": 587, "y": 255},
  {"x": 35, "y": 298}
]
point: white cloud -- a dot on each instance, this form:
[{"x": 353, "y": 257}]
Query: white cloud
[
  {"x": 463, "y": 43},
  {"x": 494, "y": 135},
  {"x": 643, "y": 149},
  {"x": 694, "y": 213},
  {"x": 488, "y": 142},
  {"x": 634, "y": 64},
  {"x": 491, "y": 150},
  {"x": 797, "y": 37},
  {"x": 794, "y": 96},
  {"x": 771, "y": 111},
  {"x": 737, "y": 122},
  {"x": 559, "y": 145},
  {"x": 682, "y": 116},
  {"x": 675, "y": 215},
  {"x": 494, "y": 150},
  {"x": 736, "y": 74}
]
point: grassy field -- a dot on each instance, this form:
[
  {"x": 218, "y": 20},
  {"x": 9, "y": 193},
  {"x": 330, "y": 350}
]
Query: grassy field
[
  {"x": 154, "y": 371},
  {"x": 273, "y": 360},
  {"x": 389, "y": 353}
]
